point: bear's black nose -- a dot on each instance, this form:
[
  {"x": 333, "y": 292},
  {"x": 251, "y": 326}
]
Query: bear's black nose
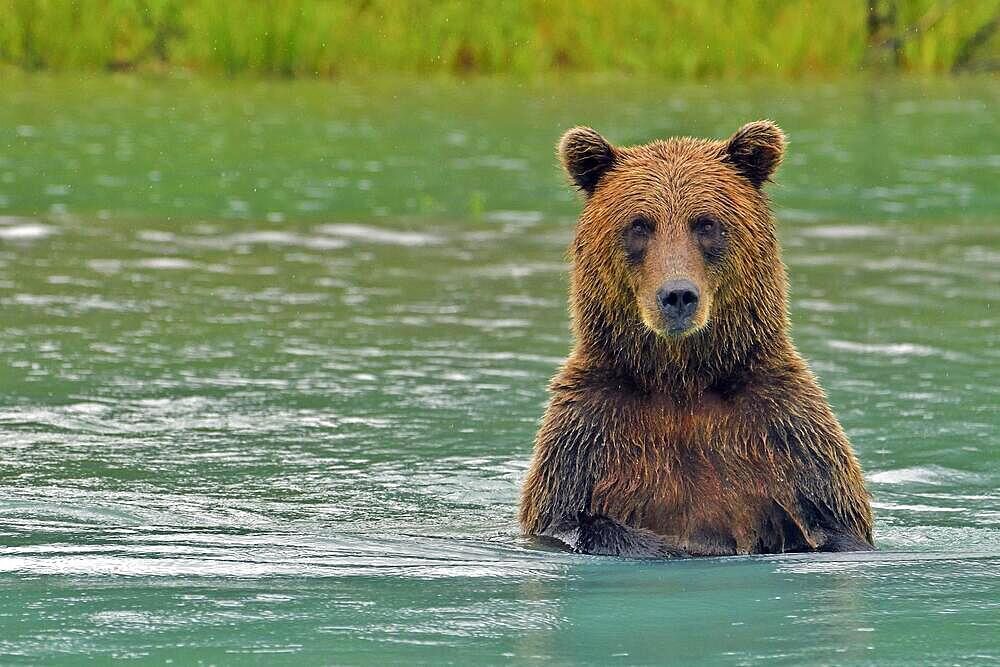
[{"x": 678, "y": 300}]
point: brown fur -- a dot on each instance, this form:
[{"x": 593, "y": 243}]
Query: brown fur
[{"x": 714, "y": 441}]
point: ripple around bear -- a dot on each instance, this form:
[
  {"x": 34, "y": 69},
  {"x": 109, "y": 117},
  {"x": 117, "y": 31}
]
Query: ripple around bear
[{"x": 684, "y": 422}]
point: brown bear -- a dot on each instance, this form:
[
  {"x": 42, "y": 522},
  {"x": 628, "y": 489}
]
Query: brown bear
[{"x": 684, "y": 422}]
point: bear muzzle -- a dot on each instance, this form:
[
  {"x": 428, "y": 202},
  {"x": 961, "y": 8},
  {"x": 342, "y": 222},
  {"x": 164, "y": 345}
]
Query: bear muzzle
[{"x": 678, "y": 300}]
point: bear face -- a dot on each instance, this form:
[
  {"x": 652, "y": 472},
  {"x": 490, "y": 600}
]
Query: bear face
[{"x": 676, "y": 244}]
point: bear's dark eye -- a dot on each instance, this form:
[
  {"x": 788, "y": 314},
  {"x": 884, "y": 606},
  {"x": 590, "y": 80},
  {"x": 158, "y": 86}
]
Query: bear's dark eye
[
  {"x": 641, "y": 226},
  {"x": 636, "y": 236},
  {"x": 711, "y": 235},
  {"x": 706, "y": 226}
]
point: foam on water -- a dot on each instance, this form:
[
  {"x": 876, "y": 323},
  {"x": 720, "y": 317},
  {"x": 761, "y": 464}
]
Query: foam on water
[
  {"x": 27, "y": 231},
  {"x": 371, "y": 234}
]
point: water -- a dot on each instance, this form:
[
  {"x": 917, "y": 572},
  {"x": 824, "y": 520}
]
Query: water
[{"x": 273, "y": 356}]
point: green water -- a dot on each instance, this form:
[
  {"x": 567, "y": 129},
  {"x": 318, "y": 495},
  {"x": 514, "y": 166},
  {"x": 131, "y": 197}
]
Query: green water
[{"x": 272, "y": 356}]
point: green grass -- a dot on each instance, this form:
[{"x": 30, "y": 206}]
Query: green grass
[{"x": 683, "y": 39}]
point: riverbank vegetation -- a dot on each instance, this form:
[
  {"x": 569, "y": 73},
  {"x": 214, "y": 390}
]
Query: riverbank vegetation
[{"x": 681, "y": 39}]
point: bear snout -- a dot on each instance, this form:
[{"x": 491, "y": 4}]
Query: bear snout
[{"x": 678, "y": 301}]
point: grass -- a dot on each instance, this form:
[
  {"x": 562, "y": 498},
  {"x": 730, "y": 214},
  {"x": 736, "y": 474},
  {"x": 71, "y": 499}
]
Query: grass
[{"x": 682, "y": 39}]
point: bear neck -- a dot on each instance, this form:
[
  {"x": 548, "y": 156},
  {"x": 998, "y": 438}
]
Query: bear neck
[{"x": 743, "y": 339}]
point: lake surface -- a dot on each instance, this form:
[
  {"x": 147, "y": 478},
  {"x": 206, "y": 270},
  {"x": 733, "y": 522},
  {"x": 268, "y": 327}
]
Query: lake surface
[{"x": 272, "y": 356}]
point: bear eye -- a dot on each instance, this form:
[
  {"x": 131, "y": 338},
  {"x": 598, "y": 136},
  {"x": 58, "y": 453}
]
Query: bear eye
[
  {"x": 635, "y": 238},
  {"x": 711, "y": 236},
  {"x": 641, "y": 226},
  {"x": 707, "y": 226}
]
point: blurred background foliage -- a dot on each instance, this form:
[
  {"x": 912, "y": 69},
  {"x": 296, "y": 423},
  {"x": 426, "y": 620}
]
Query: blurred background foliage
[{"x": 682, "y": 39}]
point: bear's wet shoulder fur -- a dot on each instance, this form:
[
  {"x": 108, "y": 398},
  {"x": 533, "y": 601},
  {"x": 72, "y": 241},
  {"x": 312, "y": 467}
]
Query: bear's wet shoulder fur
[{"x": 715, "y": 475}]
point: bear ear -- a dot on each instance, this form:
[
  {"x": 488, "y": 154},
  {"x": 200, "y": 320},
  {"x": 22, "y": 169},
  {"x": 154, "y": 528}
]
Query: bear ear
[
  {"x": 756, "y": 151},
  {"x": 586, "y": 156}
]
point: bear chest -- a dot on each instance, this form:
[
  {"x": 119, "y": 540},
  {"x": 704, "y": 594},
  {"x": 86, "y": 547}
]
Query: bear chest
[{"x": 703, "y": 477}]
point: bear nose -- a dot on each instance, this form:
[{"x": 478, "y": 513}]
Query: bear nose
[{"x": 678, "y": 300}]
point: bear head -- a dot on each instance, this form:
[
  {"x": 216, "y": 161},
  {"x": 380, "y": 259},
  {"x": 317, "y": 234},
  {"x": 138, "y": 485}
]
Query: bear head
[{"x": 676, "y": 265}]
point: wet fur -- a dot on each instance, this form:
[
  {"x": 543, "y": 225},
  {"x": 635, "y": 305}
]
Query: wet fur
[{"x": 718, "y": 442}]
